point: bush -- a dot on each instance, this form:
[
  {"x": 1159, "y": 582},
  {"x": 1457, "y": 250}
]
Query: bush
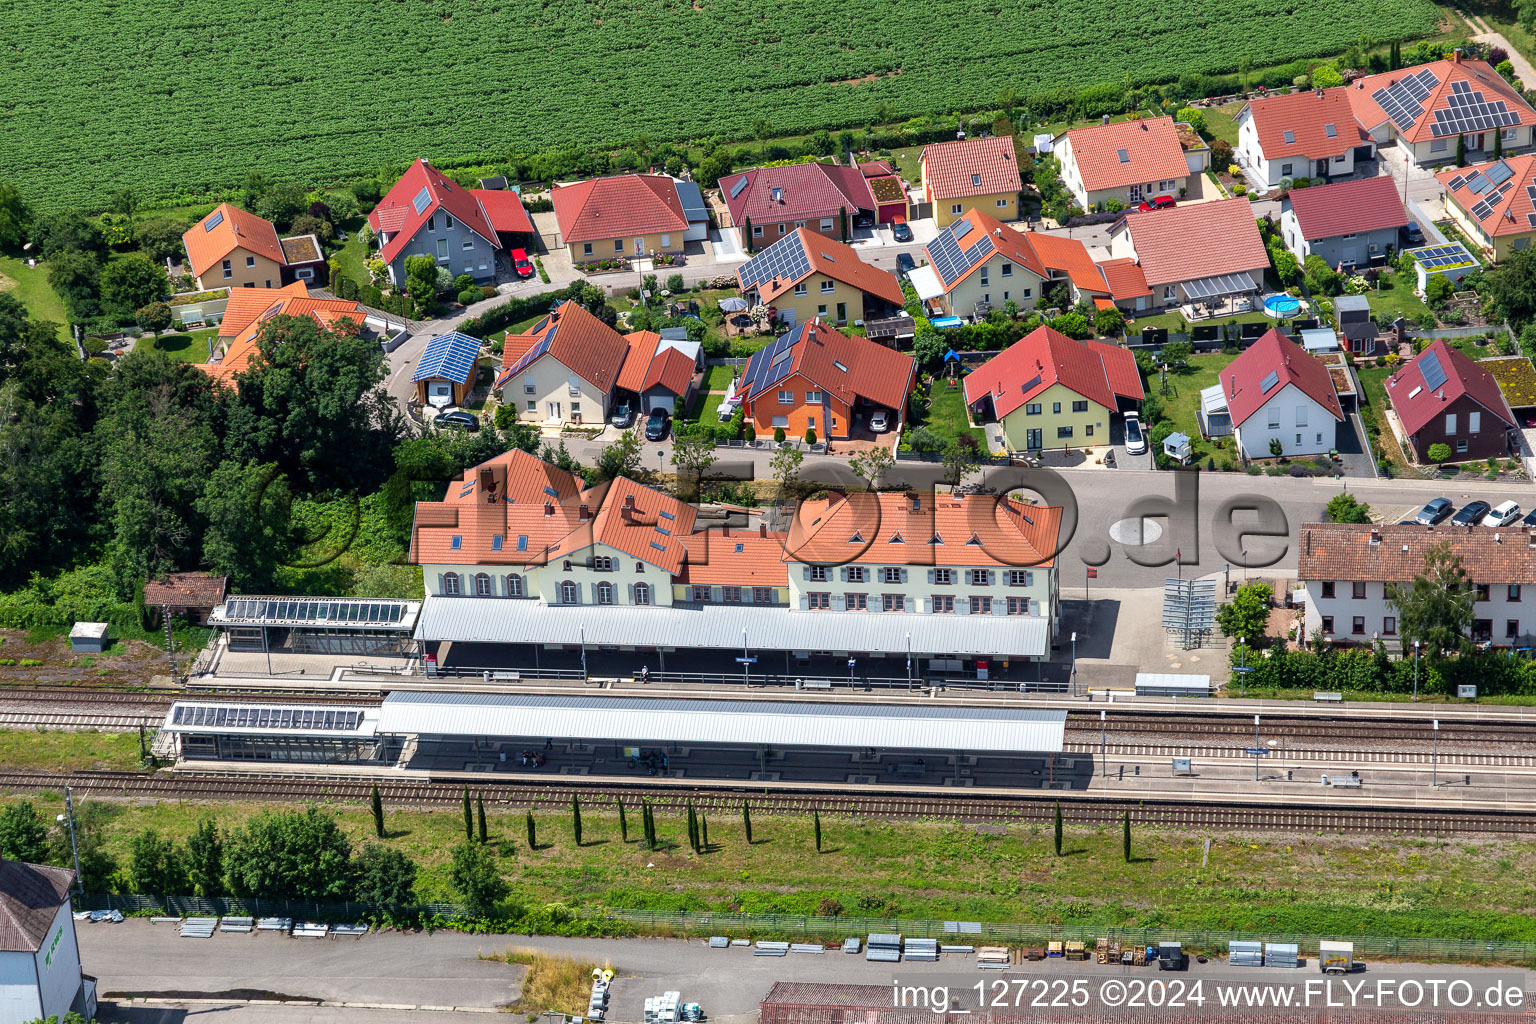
[
  {"x": 810, "y": 435},
  {"x": 470, "y": 296},
  {"x": 778, "y": 435},
  {"x": 1438, "y": 452},
  {"x": 675, "y": 283}
]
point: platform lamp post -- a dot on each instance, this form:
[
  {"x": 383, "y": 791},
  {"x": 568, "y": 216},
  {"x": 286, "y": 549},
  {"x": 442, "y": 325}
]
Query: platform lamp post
[
  {"x": 1242, "y": 670},
  {"x": 1415, "y": 671},
  {"x": 746, "y": 660},
  {"x": 68, "y": 817},
  {"x": 1103, "y": 747},
  {"x": 1434, "y": 770},
  {"x": 1256, "y": 748},
  {"x": 583, "y": 634},
  {"x": 1074, "y": 663}
]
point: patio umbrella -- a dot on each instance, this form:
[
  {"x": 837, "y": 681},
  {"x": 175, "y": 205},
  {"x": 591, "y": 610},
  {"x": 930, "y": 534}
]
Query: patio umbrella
[{"x": 733, "y": 304}]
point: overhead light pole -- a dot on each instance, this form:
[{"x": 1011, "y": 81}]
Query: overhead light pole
[
  {"x": 1074, "y": 663},
  {"x": 1434, "y": 773},
  {"x": 1415, "y": 671},
  {"x": 1256, "y": 748},
  {"x": 583, "y": 631},
  {"x": 68, "y": 817}
]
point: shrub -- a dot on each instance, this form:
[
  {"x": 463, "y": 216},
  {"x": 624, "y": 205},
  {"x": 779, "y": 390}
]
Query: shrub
[
  {"x": 1438, "y": 452},
  {"x": 469, "y": 296},
  {"x": 810, "y": 435},
  {"x": 778, "y": 435}
]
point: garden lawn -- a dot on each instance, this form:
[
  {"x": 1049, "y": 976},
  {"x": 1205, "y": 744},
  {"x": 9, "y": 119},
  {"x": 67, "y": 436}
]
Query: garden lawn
[
  {"x": 31, "y": 288},
  {"x": 68, "y": 751},
  {"x": 1395, "y": 297},
  {"x": 352, "y": 258},
  {"x": 183, "y": 346},
  {"x": 1309, "y": 884},
  {"x": 1373, "y": 410},
  {"x": 946, "y": 417},
  {"x": 1183, "y": 400},
  {"x": 1221, "y": 122}
]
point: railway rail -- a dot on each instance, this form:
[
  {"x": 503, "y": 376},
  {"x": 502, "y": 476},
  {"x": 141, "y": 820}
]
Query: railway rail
[{"x": 556, "y": 796}]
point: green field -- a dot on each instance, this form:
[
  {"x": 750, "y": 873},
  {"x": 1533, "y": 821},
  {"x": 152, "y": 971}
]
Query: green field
[{"x": 167, "y": 99}]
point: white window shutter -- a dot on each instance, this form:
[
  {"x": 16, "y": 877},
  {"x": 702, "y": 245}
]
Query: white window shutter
[
  {"x": 440, "y": 586},
  {"x": 999, "y": 606},
  {"x": 715, "y": 594},
  {"x": 1029, "y": 578},
  {"x": 838, "y": 603},
  {"x": 969, "y": 576},
  {"x": 963, "y": 606},
  {"x": 843, "y": 573},
  {"x": 930, "y": 575},
  {"x": 805, "y": 603},
  {"x": 805, "y": 572},
  {"x": 903, "y": 572},
  {"x": 631, "y": 592}
]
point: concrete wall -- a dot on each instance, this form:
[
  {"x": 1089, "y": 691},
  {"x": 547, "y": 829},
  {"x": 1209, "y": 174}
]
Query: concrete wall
[
  {"x": 1359, "y": 249},
  {"x": 1021, "y": 285},
  {"x": 830, "y": 417},
  {"x": 1089, "y": 427},
  {"x": 1278, "y": 418},
  {"x": 816, "y": 302},
  {"x": 246, "y": 270},
  {"x": 1003, "y": 206},
  {"x": 550, "y": 381},
  {"x": 608, "y": 248}
]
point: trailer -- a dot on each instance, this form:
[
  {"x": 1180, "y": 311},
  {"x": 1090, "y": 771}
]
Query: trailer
[{"x": 1335, "y": 957}]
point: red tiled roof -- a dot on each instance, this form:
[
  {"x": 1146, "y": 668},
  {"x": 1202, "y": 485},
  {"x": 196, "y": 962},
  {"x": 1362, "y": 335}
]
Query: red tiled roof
[
  {"x": 1014, "y": 245},
  {"x": 1151, "y": 145},
  {"x": 1416, "y": 403},
  {"x": 1125, "y": 279},
  {"x": 1242, "y": 381},
  {"x": 631, "y": 204},
  {"x": 1344, "y": 551},
  {"x": 824, "y": 256},
  {"x": 246, "y": 304},
  {"x": 1185, "y": 243},
  {"x": 978, "y": 529},
  {"x": 186, "y": 589},
  {"x": 236, "y": 229},
  {"x": 648, "y": 364},
  {"x": 332, "y": 314},
  {"x": 842, "y": 365},
  {"x": 1069, "y": 255},
  {"x": 580, "y": 341},
  {"x": 1307, "y": 116},
  {"x": 397, "y": 211},
  {"x": 1347, "y": 207},
  {"x": 1475, "y": 73},
  {"x": 806, "y": 192},
  {"x": 970, "y": 167},
  {"x": 1045, "y": 357},
  {"x": 735, "y": 557},
  {"x": 504, "y": 210},
  {"x": 1509, "y": 214}
]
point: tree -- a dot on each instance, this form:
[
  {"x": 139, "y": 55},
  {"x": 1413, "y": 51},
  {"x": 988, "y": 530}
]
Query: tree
[
  {"x": 245, "y": 509},
  {"x": 385, "y": 876},
  {"x": 1109, "y": 320},
  {"x": 1512, "y": 284},
  {"x": 475, "y": 880},
  {"x": 53, "y": 233},
  {"x": 76, "y": 278},
  {"x": 1498, "y": 145},
  {"x": 1321, "y": 278},
  {"x": 1247, "y": 614},
  {"x": 714, "y": 167},
  {"x": 1437, "y": 606},
  {"x": 785, "y": 466},
  {"x": 281, "y": 203},
  {"x": 692, "y": 456},
  {"x": 1285, "y": 264},
  {"x": 810, "y": 435},
  {"x": 648, "y": 822},
  {"x": 576, "y": 818},
  {"x": 816, "y": 824},
  {"x": 1125, "y": 840},
  {"x": 1438, "y": 290},
  {"x": 822, "y": 143},
  {"x": 23, "y": 836},
  {"x": 126, "y": 203},
  {"x": 154, "y": 317},
  {"x": 622, "y": 457},
  {"x": 1461, "y": 151},
  {"x": 15, "y": 215},
  {"x": 159, "y": 238},
  {"x": 1073, "y": 325},
  {"x": 155, "y": 866},
  {"x": 1438, "y": 452},
  {"x": 842, "y": 219},
  {"x": 205, "y": 859},
  {"x": 746, "y": 821},
  {"x": 290, "y": 855},
  {"x": 1192, "y": 116},
  {"x": 1058, "y": 828},
  {"x": 377, "y": 803},
  {"x": 873, "y": 463},
  {"x": 1344, "y": 508},
  {"x": 693, "y": 828},
  {"x": 623, "y": 822},
  {"x": 469, "y": 819},
  {"x": 533, "y": 835},
  {"x": 1276, "y": 447},
  {"x": 1326, "y": 76},
  {"x": 960, "y": 458},
  {"x": 483, "y": 834},
  {"x": 704, "y": 831}
]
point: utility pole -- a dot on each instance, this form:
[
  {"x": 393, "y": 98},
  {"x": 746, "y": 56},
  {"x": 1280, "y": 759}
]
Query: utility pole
[
  {"x": 1074, "y": 663},
  {"x": 583, "y": 629},
  {"x": 1103, "y": 754},
  {"x": 1434, "y": 775},
  {"x": 1416, "y": 672},
  {"x": 1256, "y": 748},
  {"x": 74, "y": 847}
]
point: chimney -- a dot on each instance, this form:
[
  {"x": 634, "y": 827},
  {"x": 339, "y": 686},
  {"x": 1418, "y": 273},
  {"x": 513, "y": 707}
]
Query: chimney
[
  {"x": 1498, "y": 538},
  {"x": 1531, "y": 538},
  {"x": 762, "y": 531},
  {"x": 1105, "y": 119},
  {"x": 1456, "y": 55},
  {"x": 549, "y": 508},
  {"x": 1143, "y": 126},
  {"x": 583, "y": 512},
  {"x": 1309, "y": 543},
  {"x": 1375, "y": 538},
  {"x": 1232, "y": 385}
]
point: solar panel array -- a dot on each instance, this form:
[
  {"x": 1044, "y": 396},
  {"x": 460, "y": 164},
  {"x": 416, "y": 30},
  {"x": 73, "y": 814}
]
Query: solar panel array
[
  {"x": 533, "y": 354},
  {"x": 1437, "y": 256},
  {"x": 771, "y": 364},
  {"x": 1482, "y": 210},
  {"x": 1469, "y": 111},
  {"x": 277, "y": 609},
  {"x": 1434, "y": 373},
  {"x": 1403, "y": 100},
  {"x": 244, "y": 716},
  {"x": 785, "y": 259},
  {"x": 214, "y": 221},
  {"x": 736, "y": 188},
  {"x": 451, "y": 356},
  {"x": 951, "y": 261},
  {"x": 422, "y": 199}
]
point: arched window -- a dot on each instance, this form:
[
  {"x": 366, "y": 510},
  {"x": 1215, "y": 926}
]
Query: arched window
[
  {"x": 605, "y": 593},
  {"x": 483, "y": 587},
  {"x": 568, "y": 593},
  {"x": 639, "y": 567},
  {"x": 642, "y": 593},
  {"x": 451, "y": 584},
  {"x": 514, "y": 585}
]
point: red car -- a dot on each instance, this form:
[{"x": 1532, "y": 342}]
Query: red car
[
  {"x": 1160, "y": 203},
  {"x": 520, "y": 263}
]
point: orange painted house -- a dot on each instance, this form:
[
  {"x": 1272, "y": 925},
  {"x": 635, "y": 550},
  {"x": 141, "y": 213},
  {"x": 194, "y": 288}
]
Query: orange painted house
[{"x": 817, "y": 377}]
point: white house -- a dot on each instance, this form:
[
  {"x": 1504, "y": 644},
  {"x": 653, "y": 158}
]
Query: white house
[
  {"x": 1128, "y": 161},
  {"x": 1274, "y": 391},
  {"x": 39, "y": 958},
  {"x": 1308, "y": 134},
  {"x": 1426, "y": 108},
  {"x": 563, "y": 370}
]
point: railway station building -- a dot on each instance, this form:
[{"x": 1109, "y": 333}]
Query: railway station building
[{"x": 527, "y": 568}]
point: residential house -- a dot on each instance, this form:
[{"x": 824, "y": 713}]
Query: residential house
[
  {"x": 805, "y": 276},
  {"x": 1347, "y": 569},
  {"x": 520, "y": 552},
  {"x": 819, "y": 378},
  {"x": 660, "y": 370},
  {"x": 971, "y": 174},
  {"x": 1273, "y": 392},
  {"x": 40, "y": 976},
  {"x": 1128, "y": 288},
  {"x": 1307, "y": 134},
  {"x": 695, "y": 210},
  {"x": 1047, "y": 390},
  {"x": 768, "y": 203},
  {"x": 1425, "y": 109},
  {"x": 1208, "y": 254},
  {"x": 1442, "y": 397},
  {"x": 445, "y": 373},
  {"x": 466, "y": 230},
  {"x": 192, "y": 595},
  {"x": 626, "y": 217},
  {"x": 249, "y": 310},
  {"x": 563, "y": 370},
  {"x": 1348, "y": 223},
  {"x": 1126, "y": 161},
  {"x": 231, "y": 248},
  {"x": 1493, "y": 204}
]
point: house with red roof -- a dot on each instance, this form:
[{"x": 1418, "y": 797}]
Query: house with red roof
[
  {"x": 1348, "y": 223},
  {"x": 971, "y": 174},
  {"x": 1493, "y": 203},
  {"x": 767, "y": 203},
  {"x": 1206, "y": 255},
  {"x": 232, "y": 248},
  {"x": 1308, "y": 134},
  {"x": 1426, "y": 108},
  {"x": 1443, "y": 397},
  {"x": 1047, "y": 390},
  {"x": 1274, "y": 391},
  {"x": 1128, "y": 161},
  {"x": 660, "y": 371},
  {"x": 819, "y": 378},
  {"x": 806, "y": 276},
  {"x": 623, "y": 217},
  {"x": 563, "y": 370},
  {"x": 466, "y": 230}
]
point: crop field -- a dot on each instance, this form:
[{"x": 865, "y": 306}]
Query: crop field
[{"x": 179, "y": 99}]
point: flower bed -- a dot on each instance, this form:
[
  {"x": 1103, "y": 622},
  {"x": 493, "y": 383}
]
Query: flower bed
[
  {"x": 615, "y": 265},
  {"x": 193, "y": 298}
]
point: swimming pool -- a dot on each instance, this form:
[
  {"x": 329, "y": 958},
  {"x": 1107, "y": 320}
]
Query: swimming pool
[{"x": 1281, "y": 305}]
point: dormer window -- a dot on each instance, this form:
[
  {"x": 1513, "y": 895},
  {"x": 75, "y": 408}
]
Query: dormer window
[
  {"x": 857, "y": 538},
  {"x": 456, "y": 543}
]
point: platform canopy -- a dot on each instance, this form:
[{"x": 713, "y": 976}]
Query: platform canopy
[
  {"x": 318, "y": 720},
  {"x": 717, "y": 721},
  {"x": 316, "y": 611}
]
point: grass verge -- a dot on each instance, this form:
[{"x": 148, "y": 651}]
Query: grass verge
[
  {"x": 552, "y": 983},
  {"x": 44, "y": 750}
]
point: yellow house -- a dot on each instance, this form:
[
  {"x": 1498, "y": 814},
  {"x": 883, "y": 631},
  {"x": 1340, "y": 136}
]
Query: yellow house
[
  {"x": 805, "y": 275},
  {"x": 1497, "y": 222},
  {"x": 1048, "y": 391},
  {"x": 563, "y": 370},
  {"x": 971, "y": 174},
  {"x": 231, "y": 248},
  {"x": 628, "y": 216}
]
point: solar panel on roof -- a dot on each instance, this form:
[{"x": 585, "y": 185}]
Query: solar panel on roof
[
  {"x": 1500, "y": 172},
  {"x": 1457, "y": 182},
  {"x": 1482, "y": 210},
  {"x": 423, "y": 198},
  {"x": 736, "y": 188},
  {"x": 1269, "y": 382},
  {"x": 1477, "y": 183},
  {"x": 1434, "y": 373},
  {"x": 450, "y": 356},
  {"x": 1530, "y": 219},
  {"x": 962, "y": 229},
  {"x": 214, "y": 221},
  {"x": 785, "y": 260}
]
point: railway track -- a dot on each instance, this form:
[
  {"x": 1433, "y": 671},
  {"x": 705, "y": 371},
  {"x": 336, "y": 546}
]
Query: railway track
[
  {"x": 556, "y": 796},
  {"x": 1452, "y": 758}
]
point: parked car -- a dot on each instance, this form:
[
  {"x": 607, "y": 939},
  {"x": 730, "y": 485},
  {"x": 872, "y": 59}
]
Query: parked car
[
  {"x": 1502, "y": 514},
  {"x": 1135, "y": 439},
  {"x": 458, "y": 419},
  {"x": 623, "y": 416},
  {"x": 657, "y": 425},
  {"x": 905, "y": 264},
  {"x": 1413, "y": 233},
  {"x": 1434, "y": 511},
  {"x": 901, "y": 231},
  {"x": 1471, "y": 514},
  {"x": 880, "y": 422},
  {"x": 1158, "y": 203},
  {"x": 521, "y": 264},
  {"x": 1530, "y": 518}
]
